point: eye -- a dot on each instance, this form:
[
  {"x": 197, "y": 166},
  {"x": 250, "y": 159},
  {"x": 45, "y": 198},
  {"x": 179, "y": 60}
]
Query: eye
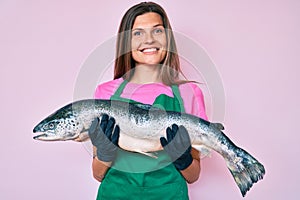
[
  {"x": 158, "y": 30},
  {"x": 51, "y": 125},
  {"x": 137, "y": 33}
]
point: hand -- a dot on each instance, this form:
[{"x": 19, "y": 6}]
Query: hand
[
  {"x": 104, "y": 137},
  {"x": 178, "y": 146}
]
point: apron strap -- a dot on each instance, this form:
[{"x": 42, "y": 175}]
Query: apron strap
[
  {"x": 175, "y": 90},
  {"x": 176, "y": 93},
  {"x": 118, "y": 92}
]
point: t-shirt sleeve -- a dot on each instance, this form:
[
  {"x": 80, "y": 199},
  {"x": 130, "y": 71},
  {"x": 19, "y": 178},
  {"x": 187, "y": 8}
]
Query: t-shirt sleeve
[
  {"x": 199, "y": 98},
  {"x": 193, "y": 100},
  {"x": 106, "y": 90}
]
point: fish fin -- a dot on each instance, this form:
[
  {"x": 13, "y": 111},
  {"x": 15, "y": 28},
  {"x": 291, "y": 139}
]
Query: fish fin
[
  {"x": 143, "y": 106},
  {"x": 204, "y": 151},
  {"x": 218, "y": 126},
  {"x": 245, "y": 170},
  {"x": 82, "y": 137},
  {"x": 152, "y": 155},
  {"x": 149, "y": 107}
]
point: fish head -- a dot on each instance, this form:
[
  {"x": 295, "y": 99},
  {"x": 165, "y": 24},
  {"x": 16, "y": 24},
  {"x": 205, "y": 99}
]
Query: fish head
[{"x": 63, "y": 124}]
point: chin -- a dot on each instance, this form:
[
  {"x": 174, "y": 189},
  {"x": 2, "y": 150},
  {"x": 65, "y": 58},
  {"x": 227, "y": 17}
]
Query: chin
[{"x": 149, "y": 61}]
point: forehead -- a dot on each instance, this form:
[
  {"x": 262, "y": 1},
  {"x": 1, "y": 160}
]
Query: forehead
[{"x": 147, "y": 20}]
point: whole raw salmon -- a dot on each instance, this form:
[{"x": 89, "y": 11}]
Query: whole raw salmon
[{"x": 142, "y": 126}]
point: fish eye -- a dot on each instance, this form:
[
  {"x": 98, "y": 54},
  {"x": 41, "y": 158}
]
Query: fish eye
[{"x": 51, "y": 125}]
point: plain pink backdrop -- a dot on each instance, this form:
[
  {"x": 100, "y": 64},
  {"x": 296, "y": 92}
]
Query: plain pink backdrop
[{"x": 254, "y": 45}]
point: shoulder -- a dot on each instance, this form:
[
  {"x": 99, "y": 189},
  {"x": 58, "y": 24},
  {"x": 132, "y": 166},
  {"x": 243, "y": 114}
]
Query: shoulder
[
  {"x": 193, "y": 99},
  {"x": 191, "y": 89},
  {"x": 107, "y": 89}
]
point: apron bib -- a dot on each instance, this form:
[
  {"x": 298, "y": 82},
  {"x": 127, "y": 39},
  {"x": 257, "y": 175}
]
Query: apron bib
[{"x": 136, "y": 176}]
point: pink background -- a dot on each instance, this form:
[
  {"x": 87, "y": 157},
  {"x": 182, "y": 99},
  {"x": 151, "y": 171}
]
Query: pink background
[{"x": 254, "y": 45}]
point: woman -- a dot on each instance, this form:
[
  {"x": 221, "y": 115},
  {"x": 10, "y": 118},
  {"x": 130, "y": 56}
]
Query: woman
[{"x": 146, "y": 71}]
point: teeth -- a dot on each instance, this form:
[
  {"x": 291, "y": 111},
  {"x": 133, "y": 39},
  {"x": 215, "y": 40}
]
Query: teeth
[{"x": 149, "y": 50}]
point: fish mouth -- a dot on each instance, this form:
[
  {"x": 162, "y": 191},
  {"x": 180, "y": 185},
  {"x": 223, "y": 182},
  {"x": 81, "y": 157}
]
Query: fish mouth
[
  {"x": 45, "y": 137},
  {"x": 52, "y": 136},
  {"x": 39, "y": 136}
]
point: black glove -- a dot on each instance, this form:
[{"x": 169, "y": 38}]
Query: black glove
[
  {"x": 178, "y": 146},
  {"x": 104, "y": 137}
]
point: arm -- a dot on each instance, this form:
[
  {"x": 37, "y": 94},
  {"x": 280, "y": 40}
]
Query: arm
[
  {"x": 99, "y": 167},
  {"x": 194, "y": 104},
  {"x": 104, "y": 137},
  {"x": 178, "y": 147},
  {"x": 191, "y": 173}
]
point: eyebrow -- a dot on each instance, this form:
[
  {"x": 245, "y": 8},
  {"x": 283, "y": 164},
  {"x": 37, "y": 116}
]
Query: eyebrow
[{"x": 150, "y": 27}]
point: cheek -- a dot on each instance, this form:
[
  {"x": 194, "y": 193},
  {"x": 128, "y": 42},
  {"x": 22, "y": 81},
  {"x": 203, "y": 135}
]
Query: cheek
[
  {"x": 162, "y": 40},
  {"x": 60, "y": 129},
  {"x": 136, "y": 56},
  {"x": 163, "y": 55},
  {"x": 135, "y": 43},
  {"x": 134, "y": 53}
]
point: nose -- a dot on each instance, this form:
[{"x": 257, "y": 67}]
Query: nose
[{"x": 149, "y": 39}]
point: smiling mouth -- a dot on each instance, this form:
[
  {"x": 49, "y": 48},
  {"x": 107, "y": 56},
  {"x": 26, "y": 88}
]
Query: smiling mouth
[{"x": 149, "y": 50}]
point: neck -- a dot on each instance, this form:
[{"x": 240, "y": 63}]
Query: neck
[{"x": 146, "y": 74}]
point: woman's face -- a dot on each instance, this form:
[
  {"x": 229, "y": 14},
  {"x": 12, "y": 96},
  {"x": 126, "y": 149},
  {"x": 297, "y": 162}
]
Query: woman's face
[{"x": 148, "y": 39}]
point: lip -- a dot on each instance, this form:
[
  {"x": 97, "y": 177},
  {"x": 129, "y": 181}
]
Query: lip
[{"x": 149, "y": 50}]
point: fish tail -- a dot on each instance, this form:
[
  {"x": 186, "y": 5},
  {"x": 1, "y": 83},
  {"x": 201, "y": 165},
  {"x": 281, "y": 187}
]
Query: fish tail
[{"x": 246, "y": 170}]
